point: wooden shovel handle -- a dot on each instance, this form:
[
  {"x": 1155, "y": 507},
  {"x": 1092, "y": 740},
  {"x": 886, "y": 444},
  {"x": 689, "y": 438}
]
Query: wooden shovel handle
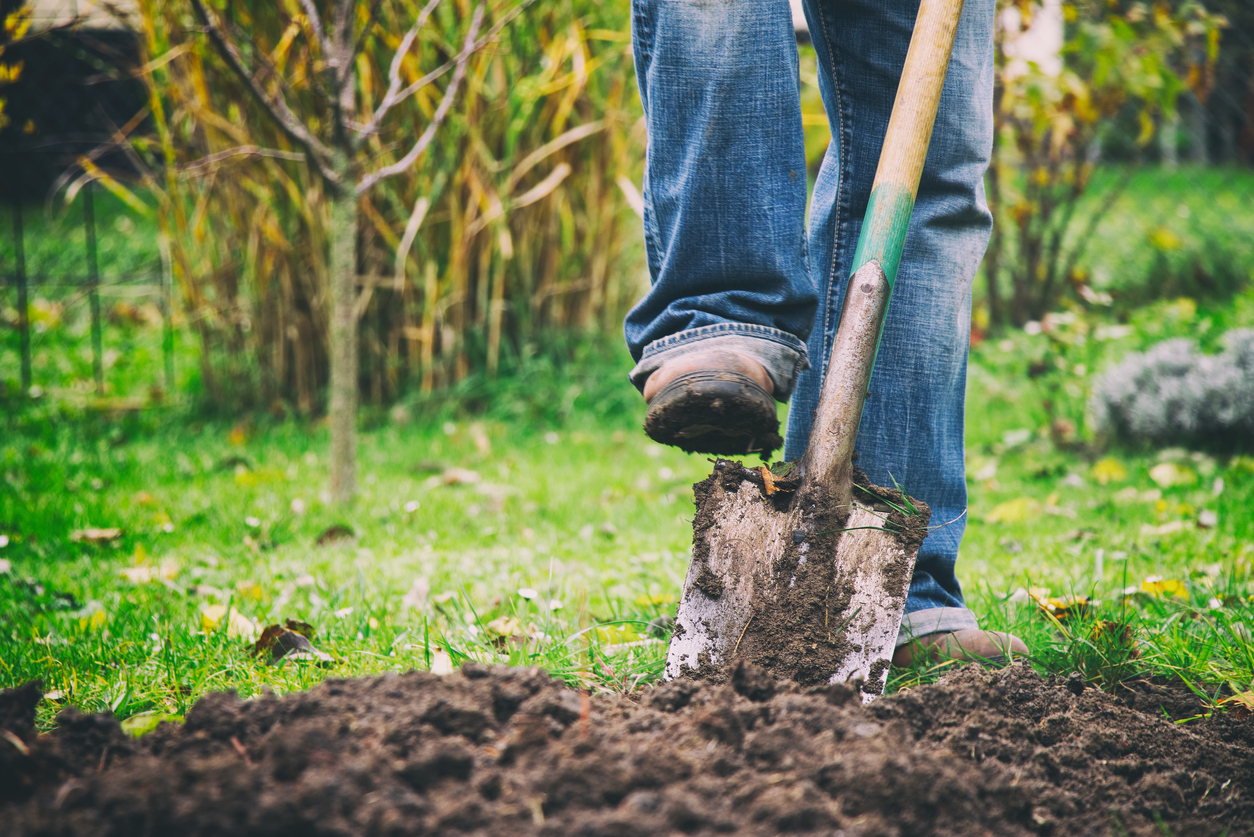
[
  {"x": 909, "y": 133},
  {"x": 827, "y": 465},
  {"x": 918, "y": 94}
]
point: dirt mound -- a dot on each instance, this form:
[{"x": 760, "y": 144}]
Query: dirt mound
[{"x": 510, "y": 751}]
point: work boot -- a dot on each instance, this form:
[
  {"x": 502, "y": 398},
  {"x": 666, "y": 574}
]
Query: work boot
[
  {"x": 713, "y": 401},
  {"x": 972, "y": 645}
]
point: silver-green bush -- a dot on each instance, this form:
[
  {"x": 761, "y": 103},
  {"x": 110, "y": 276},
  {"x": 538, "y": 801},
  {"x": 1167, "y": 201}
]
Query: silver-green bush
[{"x": 1173, "y": 394}]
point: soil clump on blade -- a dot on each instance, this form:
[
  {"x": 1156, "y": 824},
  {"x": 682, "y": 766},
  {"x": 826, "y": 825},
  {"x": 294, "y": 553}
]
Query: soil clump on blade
[
  {"x": 805, "y": 558},
  {"x": 500, "y": 751}
]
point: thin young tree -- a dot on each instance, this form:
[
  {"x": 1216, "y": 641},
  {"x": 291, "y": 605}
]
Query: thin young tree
[{"x": 336, "y": 149}]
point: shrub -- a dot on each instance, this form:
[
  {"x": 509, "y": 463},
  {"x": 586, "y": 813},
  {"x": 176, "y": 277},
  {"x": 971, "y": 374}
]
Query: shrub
[{"x": 1173, "y": 394}]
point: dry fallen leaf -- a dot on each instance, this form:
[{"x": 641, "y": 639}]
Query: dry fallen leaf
[
  {"x": 768, "y": 480},
  {"x": 335, "y": 534},
  {"x": 441, "y": 663},
  {"x": 238, "y": 626},
  {"x": 250, "y": 590},
  {"x": 1114, "y": 635},
  {"x": 1169, "y": 474},
  {"x": 145, "y": 573},
  {"x": 453, "y": 476},
  {"x": 1018, "y": 510},
  {"x": 96, "y": 537},
  {"x": 1242, "y": 704},
  {"x": 416, "y": 598},
  {"x": 1164, "y": 529},
  {"x": 1061, "y": 607},
  {"x": 290, "y": 641}
]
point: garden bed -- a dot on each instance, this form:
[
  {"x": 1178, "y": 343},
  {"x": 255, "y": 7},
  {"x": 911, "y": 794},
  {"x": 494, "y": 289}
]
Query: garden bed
[{"x": 512, "y": 751}]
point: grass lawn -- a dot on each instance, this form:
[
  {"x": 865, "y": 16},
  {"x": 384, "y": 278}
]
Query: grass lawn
[{"x": 550, "y": 531}]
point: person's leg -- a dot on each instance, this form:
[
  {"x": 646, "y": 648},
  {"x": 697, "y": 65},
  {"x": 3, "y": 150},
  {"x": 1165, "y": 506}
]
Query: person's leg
[
  {"x": 912, "y": 425},
  {"x": 724, "y": 190}
]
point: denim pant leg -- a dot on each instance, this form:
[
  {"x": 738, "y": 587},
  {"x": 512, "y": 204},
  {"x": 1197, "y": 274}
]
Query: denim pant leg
[
  {"x": 912, "y": 426},
  {"x": 725, "y": 186}
]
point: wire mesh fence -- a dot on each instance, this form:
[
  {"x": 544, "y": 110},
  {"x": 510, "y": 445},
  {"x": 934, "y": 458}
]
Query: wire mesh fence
[{"x": 85, "y": 302}]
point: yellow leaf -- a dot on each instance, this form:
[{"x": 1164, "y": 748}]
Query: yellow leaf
[
  {"x": 1164, "y": 239},
  {"x": 1108, "y": 470},
  {"x": 1018, "y": 510},
  {"x": 1158, "y": 586},
  {"x": 619, "y": 634},
  {"x": 250, "y": 590},
  {"x": 1168, "y": 474},
  {"x": 211, "y": 616},
  {"x": 660, "y": 599},
  {"x": 146, "y": 722},
  {"x": 238, "y": 436},
  {"x": 93, "y": 622},
  {"x": 246, "y": 478},
  {"x": 1060, "y": 607}
]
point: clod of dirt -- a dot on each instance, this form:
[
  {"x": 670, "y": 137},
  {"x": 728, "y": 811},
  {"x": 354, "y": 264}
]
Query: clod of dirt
[{"x": 514, "y": 752}]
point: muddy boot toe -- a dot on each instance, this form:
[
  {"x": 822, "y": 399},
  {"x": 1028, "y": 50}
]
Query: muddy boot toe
[{"x": 714, "y": 402}]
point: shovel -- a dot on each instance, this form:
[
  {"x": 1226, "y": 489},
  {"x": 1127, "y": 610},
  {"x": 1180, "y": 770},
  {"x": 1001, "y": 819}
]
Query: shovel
[{"x": 806, "y": 573}]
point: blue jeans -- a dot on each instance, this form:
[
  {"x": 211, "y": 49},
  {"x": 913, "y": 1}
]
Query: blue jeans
[{"x": 735, "y": 266}]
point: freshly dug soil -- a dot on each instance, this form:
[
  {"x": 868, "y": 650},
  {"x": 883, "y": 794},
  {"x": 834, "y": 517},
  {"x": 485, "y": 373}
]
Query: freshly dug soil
[{"x": 514, "y": 752}]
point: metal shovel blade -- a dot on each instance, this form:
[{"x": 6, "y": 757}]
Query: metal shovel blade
[
  {"x": 801, "y": 592},
  {"x": 806, "y": 577}
]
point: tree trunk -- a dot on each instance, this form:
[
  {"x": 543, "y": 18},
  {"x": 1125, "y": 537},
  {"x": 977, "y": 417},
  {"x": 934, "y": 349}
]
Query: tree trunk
[{"x": 342, "y": 270}]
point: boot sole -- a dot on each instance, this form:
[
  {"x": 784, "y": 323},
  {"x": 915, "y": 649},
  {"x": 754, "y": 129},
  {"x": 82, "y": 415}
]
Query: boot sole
[{"x": 717, "y": 412}]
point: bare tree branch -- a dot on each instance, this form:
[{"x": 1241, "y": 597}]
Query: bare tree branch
[
  {"x": 373, "y": 125},
  {"x": 394, "y": 73},
  {"x": 277, "y": 109},
  {"x": 463, "y": 58},
  {"x": 242, "y": 151},
  {"x": 342, "y": 56},
  {"x": 315, "y": 23}
]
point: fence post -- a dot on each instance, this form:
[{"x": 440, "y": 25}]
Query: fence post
[
  {"x": 93, "y": 278},
  {"x": 23, "y": 304}
]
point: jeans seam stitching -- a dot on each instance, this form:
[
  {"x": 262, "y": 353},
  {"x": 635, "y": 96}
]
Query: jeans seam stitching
[{"x": 842, "y": 149}]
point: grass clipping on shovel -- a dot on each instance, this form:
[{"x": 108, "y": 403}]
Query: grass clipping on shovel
[{"x": 800, "y": 627}]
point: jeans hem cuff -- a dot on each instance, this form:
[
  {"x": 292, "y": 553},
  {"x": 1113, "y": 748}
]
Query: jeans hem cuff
[{"x": 935, "y": 620}]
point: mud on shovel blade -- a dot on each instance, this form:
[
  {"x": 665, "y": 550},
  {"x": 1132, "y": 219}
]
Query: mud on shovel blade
[
  {"x": 809, "y": 580},
  {"x": 809, "y": 583}
]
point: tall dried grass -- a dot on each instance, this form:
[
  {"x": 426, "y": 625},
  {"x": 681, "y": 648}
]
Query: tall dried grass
[{"x": 515, "y": 226}]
